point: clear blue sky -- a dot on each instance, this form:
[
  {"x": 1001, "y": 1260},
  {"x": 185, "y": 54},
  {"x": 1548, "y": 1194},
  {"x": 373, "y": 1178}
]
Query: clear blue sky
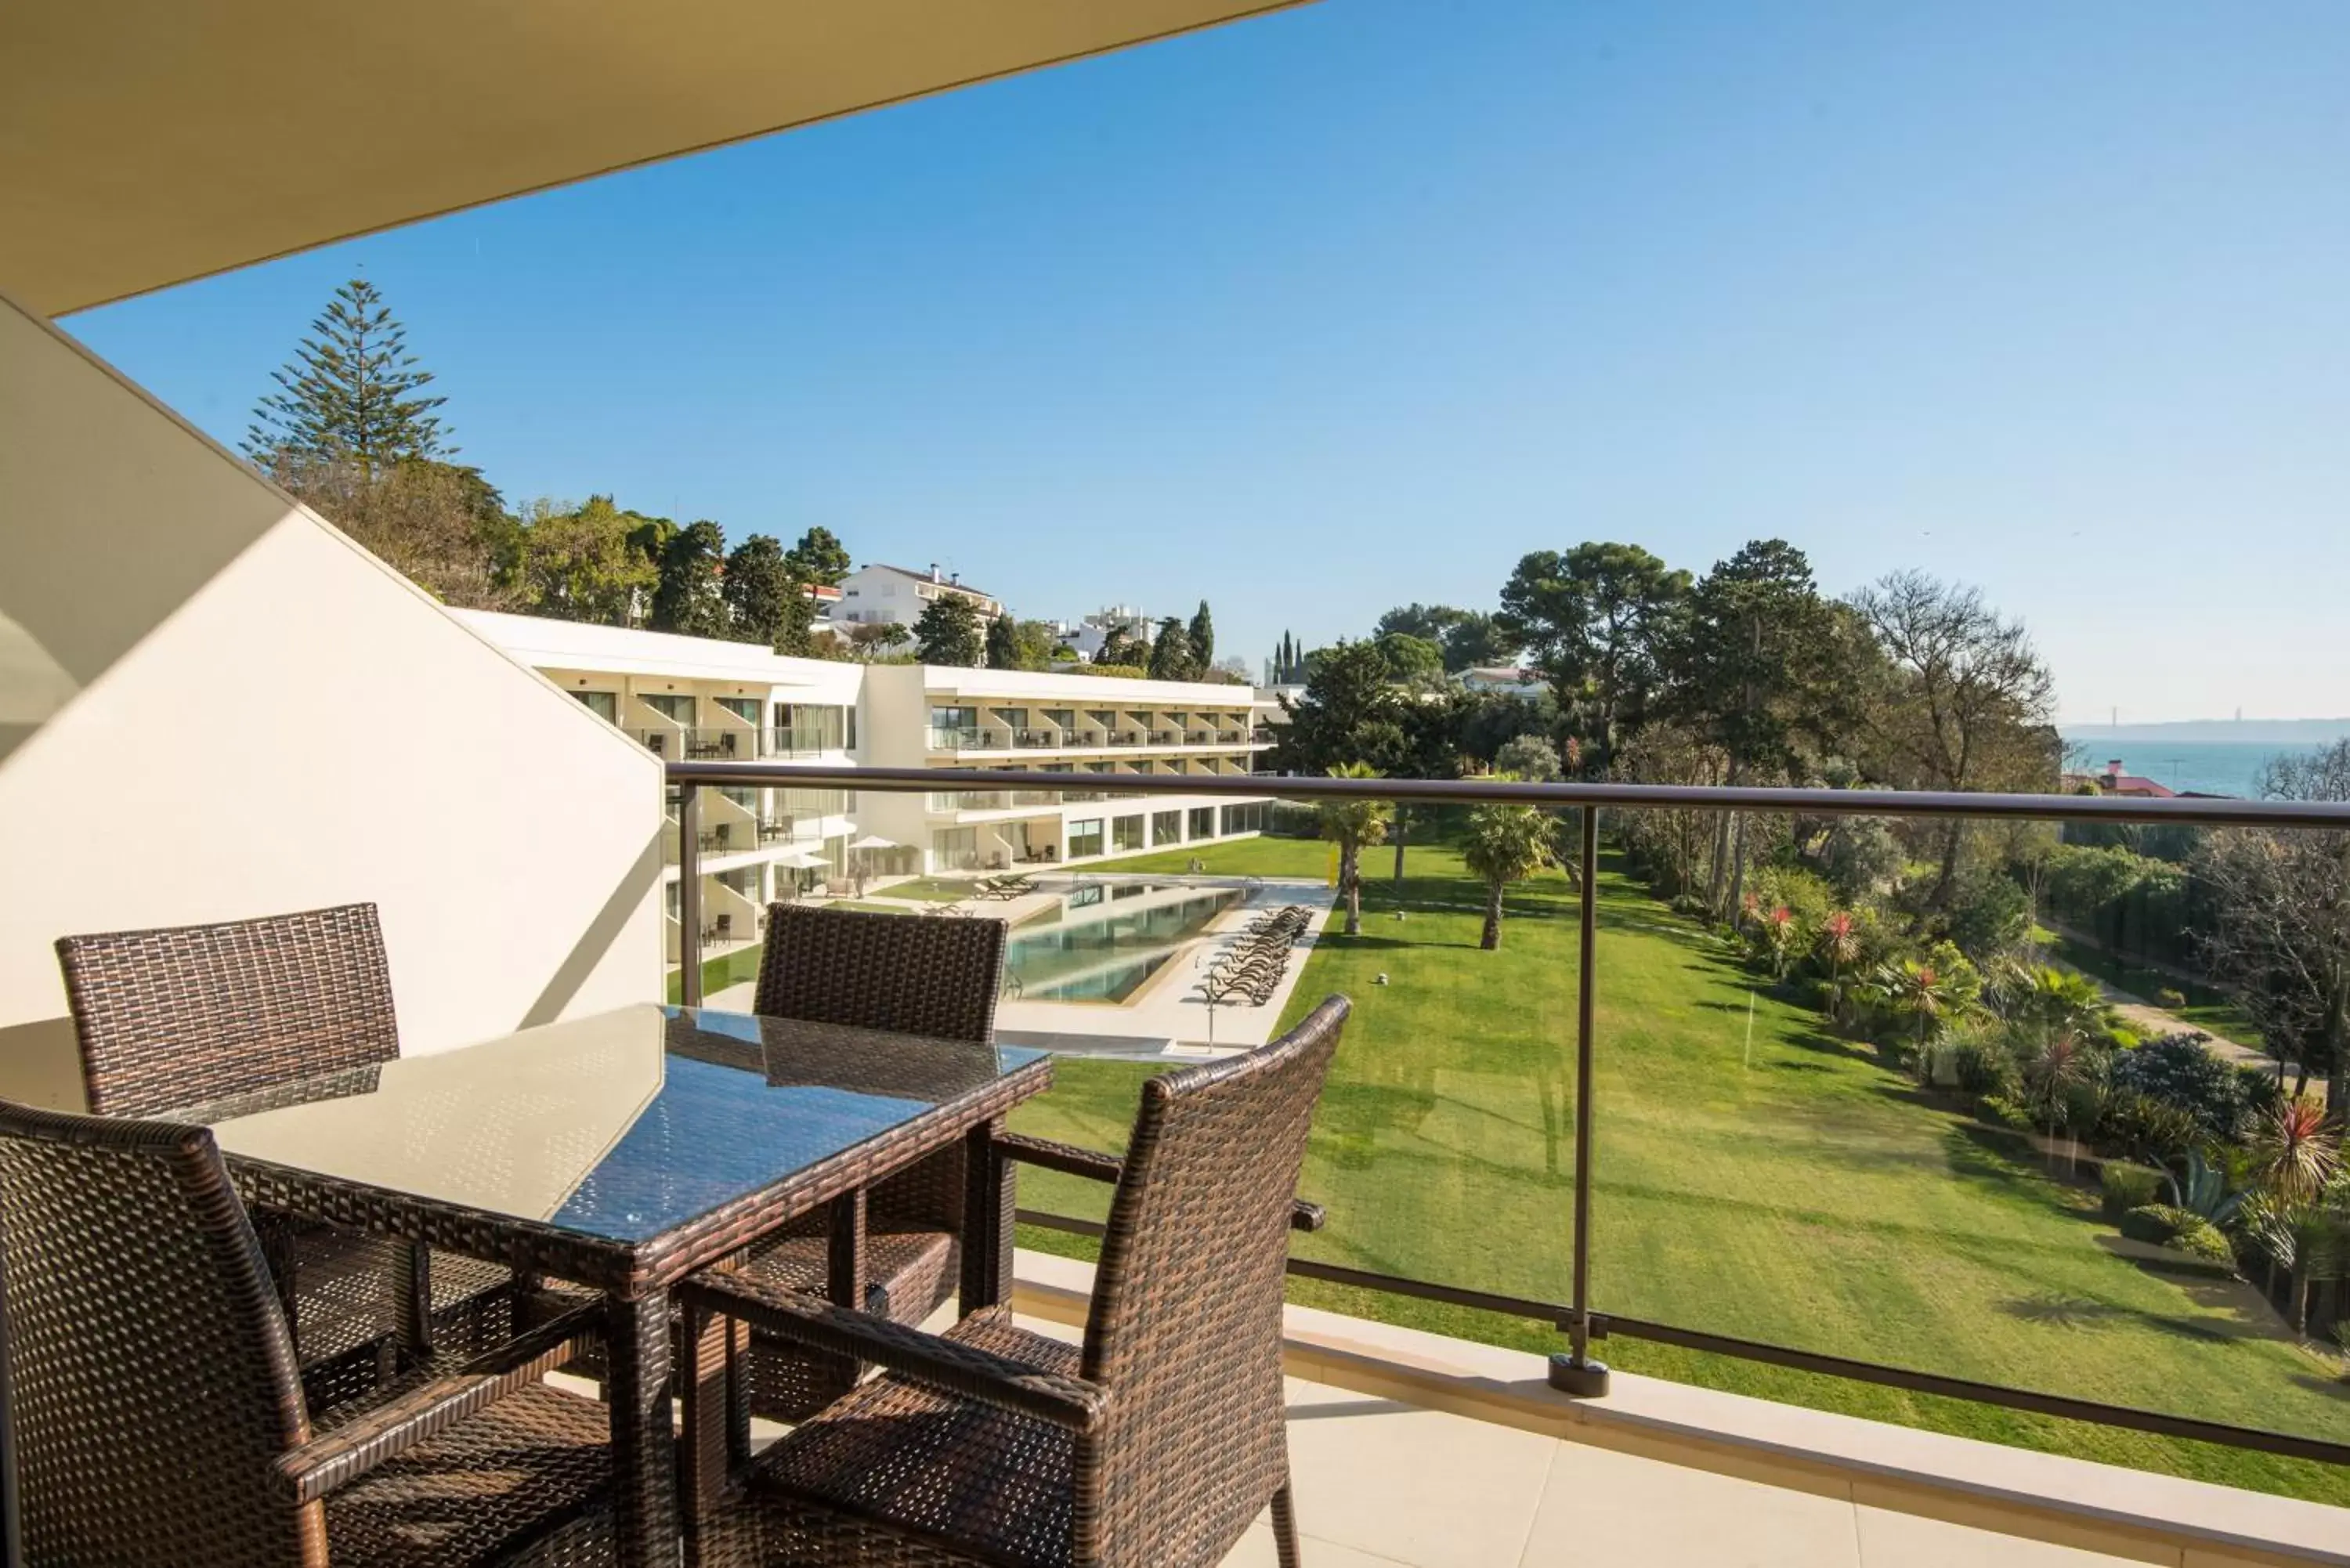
[{"x": 1355, "y": 305}]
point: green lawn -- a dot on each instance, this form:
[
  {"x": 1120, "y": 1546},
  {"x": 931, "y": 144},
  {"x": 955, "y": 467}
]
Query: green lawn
[
  {"x": 927, "y": 889},
  {"x": 718, "y": 973},
  {"x": 1780, "y": 1185}
]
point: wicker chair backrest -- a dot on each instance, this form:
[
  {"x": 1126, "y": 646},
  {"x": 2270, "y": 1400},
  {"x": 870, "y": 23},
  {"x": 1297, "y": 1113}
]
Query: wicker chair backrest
[
  {"x": 179, "y": 1016},
  {"x": 1185, "y": 1324},
  {"x": 152, "y": 1382},
  {"x": 904, "y": 972}
]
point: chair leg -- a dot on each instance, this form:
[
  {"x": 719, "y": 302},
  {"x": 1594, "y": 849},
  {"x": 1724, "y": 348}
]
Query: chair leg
[{"x": 1284, "y": 1527}]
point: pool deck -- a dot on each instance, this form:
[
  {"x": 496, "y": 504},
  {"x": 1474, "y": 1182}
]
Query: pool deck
[{"x": 1165, "y": 1019}]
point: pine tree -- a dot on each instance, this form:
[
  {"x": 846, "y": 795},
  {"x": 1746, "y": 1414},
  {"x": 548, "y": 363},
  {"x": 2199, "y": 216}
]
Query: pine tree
[
  {"x": 760, "y": 591},
  {"x": 1203, "y": 640},
  {"x": 948, "y": 632},
  {"x": 349, "y": 393},
  {"x": 690, "y": 599},
  {"x": 819, "y": 557}
]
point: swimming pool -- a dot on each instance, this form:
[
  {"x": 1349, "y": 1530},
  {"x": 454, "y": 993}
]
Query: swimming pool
[{"x": 1100, "y": 941}]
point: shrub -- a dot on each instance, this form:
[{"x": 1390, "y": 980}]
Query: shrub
[
  {"x": 2157, "y": 1222},
  {"x": 2147, "y": 1128},
  {"x": 2179, "y": 1070},
  {"x": 1984, "y": 1067},
  {"x": 2259, "y": 1090},
  {"x": 2202, "y": 1240},
  {"x": 2170, "y": 998},
  {"x": 2127, "y": 1187},
  {"x": 1692, "y": 905},
  {"x": 2001, "y": 1111},
  {"x": 1990, "y": 912}
]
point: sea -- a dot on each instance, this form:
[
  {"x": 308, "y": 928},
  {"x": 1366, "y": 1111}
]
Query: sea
[{"x": 2205, "y": 767}]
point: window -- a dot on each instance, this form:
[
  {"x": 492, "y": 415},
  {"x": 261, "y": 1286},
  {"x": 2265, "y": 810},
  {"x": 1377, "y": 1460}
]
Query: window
[
  {"x": 1203, "y": 822},
  {"x": 605, "y": 705},
  {"x": 676, "y": 709},
  {"x": 1249, "y": 818},
  {"x": 743, "y": 708},
  {"x": 1061, "y": 718},
  {"x": 1126, "y": 832},
  {"x": 1166, "y": 827},
  {"x": 954, "y": 849},
  {"x": 1085, "y": 838},
  {"x": 1012, "y": 718},
  {"x": 953, "y": 727},
  {"x": 849, "y": 728}
]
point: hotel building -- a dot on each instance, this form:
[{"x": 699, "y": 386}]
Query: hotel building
[{"x": 703, "y": 699}]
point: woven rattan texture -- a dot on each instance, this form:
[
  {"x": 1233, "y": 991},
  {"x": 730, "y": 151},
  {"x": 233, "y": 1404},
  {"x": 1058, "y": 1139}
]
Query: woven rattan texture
[
  {"x": 932, "y": 977},
  {"x": 159, "y": 1418},
  {"x": 151, "y": 1381},
  {"x": 898, "y": 1462},
  {"x": 1184, "y": 1335},
  {"x": 172, "y": 1017},
  {"x": 241, "y": 1017}
]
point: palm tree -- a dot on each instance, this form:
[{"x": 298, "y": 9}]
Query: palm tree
[
  {"x": 2294, "y": 1153},
  {"x": 1840, "y": 950},
  {"x": 1351, "y": 824},
  {"x": 2064, "y": 1002},
  {"x": 1507, "y": 844}
]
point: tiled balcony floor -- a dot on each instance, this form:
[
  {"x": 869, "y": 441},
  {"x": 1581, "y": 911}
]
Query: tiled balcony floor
[{"x": 1381, "y": 1484}]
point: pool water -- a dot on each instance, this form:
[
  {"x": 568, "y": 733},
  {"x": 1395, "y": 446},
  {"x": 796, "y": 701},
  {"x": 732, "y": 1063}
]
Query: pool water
[{"x": 1101, "y": 941}]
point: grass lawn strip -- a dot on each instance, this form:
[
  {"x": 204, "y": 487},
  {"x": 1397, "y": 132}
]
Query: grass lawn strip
[{"x": 1780, "y": 1185}]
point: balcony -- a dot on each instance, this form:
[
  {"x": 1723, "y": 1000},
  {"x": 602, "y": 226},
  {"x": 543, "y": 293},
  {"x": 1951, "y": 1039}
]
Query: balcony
[
  {"x": 1428, "y": 1452},
  {"x": 1777, "y": 1162}
]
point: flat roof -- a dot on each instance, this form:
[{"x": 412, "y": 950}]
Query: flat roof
[{"x": 546, "y": 644}]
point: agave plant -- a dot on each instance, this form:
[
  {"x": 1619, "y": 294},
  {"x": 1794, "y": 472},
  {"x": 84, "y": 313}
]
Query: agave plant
[
  {"x": 2201, "y": 1187},
  {"x": 2294, "y": 1153}
]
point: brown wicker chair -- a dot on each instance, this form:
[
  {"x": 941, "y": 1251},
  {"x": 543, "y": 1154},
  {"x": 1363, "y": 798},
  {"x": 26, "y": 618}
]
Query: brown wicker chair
[
  {"x": 1155, "y": 1445},
  {"x": 158, "y": 1416},
  {"x": 939, "y": 977},
  {"x": 235, "y": 1014}
]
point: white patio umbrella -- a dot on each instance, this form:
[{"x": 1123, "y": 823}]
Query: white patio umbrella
[
  {"x": 801, "y": 860},
  {"x": 864, "y": 846}
]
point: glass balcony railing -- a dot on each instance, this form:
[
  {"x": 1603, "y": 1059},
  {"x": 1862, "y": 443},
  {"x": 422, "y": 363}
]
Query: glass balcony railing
[{"x": 1739, "y": 1087}]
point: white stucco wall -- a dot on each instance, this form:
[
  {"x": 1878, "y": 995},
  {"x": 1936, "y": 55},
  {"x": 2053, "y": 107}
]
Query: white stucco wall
[{"x": 213, "y": 705}]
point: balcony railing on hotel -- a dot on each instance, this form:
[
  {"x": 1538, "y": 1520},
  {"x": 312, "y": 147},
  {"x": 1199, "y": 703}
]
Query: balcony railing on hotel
[
  {"x": 1636, "y": 1155},
  {"x": 733, "y": 743}
]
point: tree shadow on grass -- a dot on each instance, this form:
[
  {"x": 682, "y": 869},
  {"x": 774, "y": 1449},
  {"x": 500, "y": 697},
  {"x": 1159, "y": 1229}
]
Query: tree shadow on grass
[
  {"x": 2057, "y": 1311},
  {"x": 1338, "y": 942},
  {"x": 2332, "y": 1388}
]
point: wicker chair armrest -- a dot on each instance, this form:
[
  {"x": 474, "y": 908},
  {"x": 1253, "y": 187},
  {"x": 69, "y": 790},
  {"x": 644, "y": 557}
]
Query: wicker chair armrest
[
  {"x": 943, "y": 1363},
  {"x": 1094, "y": 1166},
  {"x": 331, "y": 1460},
  {"x": 1067, "y": 1157}
]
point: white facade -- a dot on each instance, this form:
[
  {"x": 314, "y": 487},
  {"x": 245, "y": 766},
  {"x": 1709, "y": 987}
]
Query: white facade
[
  {"x": 876, "y": 595},
  {"x": 214, "y": 706},
  {"x": 1059, "y": 725},
  {"x": 705, "y": 700}
]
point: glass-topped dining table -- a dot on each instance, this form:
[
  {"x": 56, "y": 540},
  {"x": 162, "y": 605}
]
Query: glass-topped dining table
[{"x": 622, "y": 1152}]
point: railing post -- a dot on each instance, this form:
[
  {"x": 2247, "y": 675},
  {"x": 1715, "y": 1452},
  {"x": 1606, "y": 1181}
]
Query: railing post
[
  {"x": 689, "y": 892},
  {"x": 1575, "y": 1373}
]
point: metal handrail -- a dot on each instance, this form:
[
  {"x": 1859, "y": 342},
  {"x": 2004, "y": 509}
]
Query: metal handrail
[
  {"x": 2191, "y": 811},
  {"x": 1575, "y": 1371}
]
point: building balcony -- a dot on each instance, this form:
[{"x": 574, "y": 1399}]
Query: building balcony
[{"x": 1422, "y": 1450}]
